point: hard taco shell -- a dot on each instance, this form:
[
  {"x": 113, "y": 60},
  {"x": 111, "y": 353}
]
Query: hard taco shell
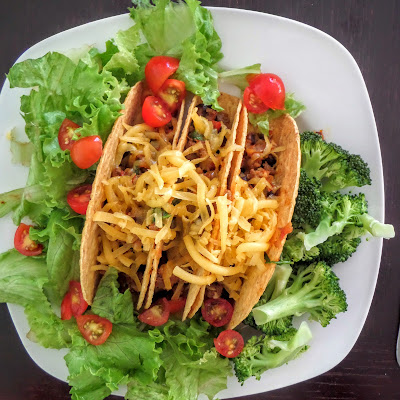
[
  {"x": 131, "y": 114},
  {"x": 284, "y": 132}
]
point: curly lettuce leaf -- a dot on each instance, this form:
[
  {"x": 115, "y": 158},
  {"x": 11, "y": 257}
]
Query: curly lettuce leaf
[
  {"x": 293, "y": 107},
  {"x": 62, "y": 89},
  {"x": 153, "y": 391},
  {"x": 110, "y": 303},
  {"x": 164, "y": 25},
  {"x": 193, "y": 40},
  {"x": 46, "y": 328},
  {"x": 61, "y": 238},
  {"x": 127, "y": 353},
  {"x": 9, "y": 201},
  {"x": 190, "y": 367},
  {"x": 238, "y": 76},
  {"x": 21, "y": 278}
]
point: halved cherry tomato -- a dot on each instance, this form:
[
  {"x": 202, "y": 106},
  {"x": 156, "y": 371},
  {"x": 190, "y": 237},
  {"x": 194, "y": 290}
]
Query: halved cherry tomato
[
  {"x": 229, "y": 343},
  {"x": 66, "y": 311},
  {"x": 155, "y": 113},
  {"x": 177, "y": 305},
  {"x": 172, "y": 92},
  {"x": 24, "y": 244},
  {"x": 78, "y": 303},
  {"x": 78, "y": 198},
  {"x": 270, "y": 89},
  {"x": 86, "y": 151},
  {"x": 158, "y": 70},
  {"x": 217, "y": 125},
  {"x": 94, "y": 329},
  {"x": 252, "y": 102},
  {"x": 157, "y": 314},
  {"x": 217, "y": 312},
  {"x": 65, "y": 134}
]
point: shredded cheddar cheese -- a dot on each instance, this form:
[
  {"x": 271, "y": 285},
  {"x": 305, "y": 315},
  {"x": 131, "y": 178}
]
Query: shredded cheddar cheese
[{"x": 160, "y": 197}]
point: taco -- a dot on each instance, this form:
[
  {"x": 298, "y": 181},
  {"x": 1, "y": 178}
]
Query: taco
[
  {"x": 269, "y": 168},
  {"x": 121, "y": 231},
  {"x": 208, "y": 140}
]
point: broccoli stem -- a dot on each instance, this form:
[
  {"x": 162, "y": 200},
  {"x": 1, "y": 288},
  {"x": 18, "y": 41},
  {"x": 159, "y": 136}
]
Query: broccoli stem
[
  {"x": 376, "y": 228},
  {"x": 289, "y": 304}
]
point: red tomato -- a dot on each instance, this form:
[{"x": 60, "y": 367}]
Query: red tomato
[
  {"x": 65, "y": 134},
  {"x": 94, "y": 329},
  {"x": 157, "y": 314},
  {"x": 78, "y": 303},
  {"x": 158, "y": 70},
  {"x": 155, "y": 113},
  {"x": 24, "y": 244},
  {"x": 270, "y": 89},
  {"x": 229, "y": 343},
  {"x": 177, "y": 305},
  {"x": 172, "y": 92},
  {"x": 78, "y": 198},
  {"x": 66, "y": 312},
  {"x": 217, "y": 125},
  {"x": 87, "y": 151},
  {"x": 252, "y": 102},
  {"x": 217, "y": 312}
]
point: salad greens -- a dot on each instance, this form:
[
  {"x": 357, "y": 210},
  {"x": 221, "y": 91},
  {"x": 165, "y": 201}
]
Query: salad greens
[{"x": 176, "y": 361}]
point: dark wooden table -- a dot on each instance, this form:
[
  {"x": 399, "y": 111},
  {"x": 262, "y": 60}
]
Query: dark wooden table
[{"x": 370, "y": 30}]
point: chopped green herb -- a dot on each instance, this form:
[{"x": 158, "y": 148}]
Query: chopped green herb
[{"x": 196, "y": 136}]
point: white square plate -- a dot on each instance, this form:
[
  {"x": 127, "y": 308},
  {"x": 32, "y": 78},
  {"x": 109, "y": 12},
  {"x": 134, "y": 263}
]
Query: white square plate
[{"x": 326, "y": 78}]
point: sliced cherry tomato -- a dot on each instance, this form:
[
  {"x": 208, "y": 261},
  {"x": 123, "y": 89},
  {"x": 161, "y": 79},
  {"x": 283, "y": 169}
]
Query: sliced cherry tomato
[
  {"x": 65, "y": 134},
  {"x": 177, "y": 305},
  {"x": 155, "y": 113},
  {"x": 78, "y": 303},
  {"x": 78, "y": 198},
  {"x": 24, "y": 244},
  {"x": 66, "y": 311},
  {"x": 229, "y": 343},
  {"x": 252, "y": 102},
  {"x": 217, "y": 125},
  {"x": 270, "y": 89},
  {"x": 172, "y": 92},
  {"x": 94, "y": 329},
  {"x": 217, "y": 312},
  {"x": 158, "y": 70},
  {"x": 157, "y": 314},
  {"x": 87, "y": 151}
]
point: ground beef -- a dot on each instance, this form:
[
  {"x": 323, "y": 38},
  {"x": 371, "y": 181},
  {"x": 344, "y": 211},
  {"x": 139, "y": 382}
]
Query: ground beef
[{"x": 214, "y": 291}]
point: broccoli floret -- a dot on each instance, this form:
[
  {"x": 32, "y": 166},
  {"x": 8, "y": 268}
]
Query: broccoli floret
[
  {"x": 277, "y": 327},
  {"x": 339, "y": 211},
  {"x": 307, "y": 211},
  {"x": 275, "y": 287},
  {"x": 263, "y": 353},
  {"x": 333, "y": 166},
  {"x": 294, "y": 249},
  {"x": 315, "y": 289},
  {"x": 339, "y": 248}
]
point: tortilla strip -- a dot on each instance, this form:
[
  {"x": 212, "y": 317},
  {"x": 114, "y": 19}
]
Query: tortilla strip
[
  {"x": 131, "y": 115},
  {"x": 232, "y": 106},
  {"x": 284, "y": 132}
]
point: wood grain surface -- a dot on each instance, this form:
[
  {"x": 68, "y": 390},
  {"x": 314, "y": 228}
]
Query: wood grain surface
[{"x": 370, "y": 30}]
